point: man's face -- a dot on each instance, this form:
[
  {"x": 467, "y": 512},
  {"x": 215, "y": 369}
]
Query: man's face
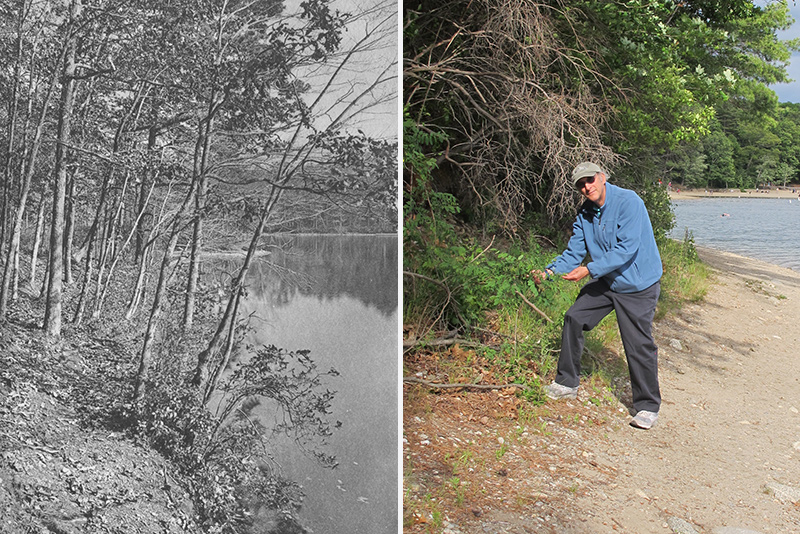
[{"x": 593, "y": 188}]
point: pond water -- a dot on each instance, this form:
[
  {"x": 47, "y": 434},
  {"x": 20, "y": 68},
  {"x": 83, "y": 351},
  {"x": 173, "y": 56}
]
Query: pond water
[
  {"x": 753, "y": 227},
  {"x": 337, "y": 297}
]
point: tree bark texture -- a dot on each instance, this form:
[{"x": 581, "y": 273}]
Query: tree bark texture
[
  {"x": 52, "y": 317},
  {"x": 201, "y": 163}
]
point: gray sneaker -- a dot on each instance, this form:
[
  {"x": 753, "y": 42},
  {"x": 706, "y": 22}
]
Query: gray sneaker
[
  {"x": 557, "y": 391},
  {"x": 644, "y": 419}
]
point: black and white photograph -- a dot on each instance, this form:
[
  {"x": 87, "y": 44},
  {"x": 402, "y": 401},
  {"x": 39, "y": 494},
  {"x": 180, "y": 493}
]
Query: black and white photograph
[{"x": 199, "y": 325}]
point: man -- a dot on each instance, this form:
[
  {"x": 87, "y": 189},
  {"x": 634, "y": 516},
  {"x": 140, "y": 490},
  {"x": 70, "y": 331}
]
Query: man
[{"x": 613, "y": 228}]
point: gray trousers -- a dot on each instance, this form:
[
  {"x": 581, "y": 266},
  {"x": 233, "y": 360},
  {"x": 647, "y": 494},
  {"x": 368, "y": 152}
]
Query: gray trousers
[{"x": 635, "y": 312}]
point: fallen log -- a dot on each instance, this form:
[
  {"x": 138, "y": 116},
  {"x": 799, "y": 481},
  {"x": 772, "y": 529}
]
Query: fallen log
[
  {"x": 443, "y": 342},
  {"x": 415, "y": 380}
]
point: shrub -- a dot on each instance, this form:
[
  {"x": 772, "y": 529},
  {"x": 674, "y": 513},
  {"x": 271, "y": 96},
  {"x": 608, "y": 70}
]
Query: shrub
[{"x": 224, "y": 456}]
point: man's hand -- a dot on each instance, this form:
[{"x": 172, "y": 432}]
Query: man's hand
[
  {"x": 539, "y": 276},
  {"x": 576, "y": 274}
]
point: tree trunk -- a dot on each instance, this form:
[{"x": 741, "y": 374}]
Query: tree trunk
[
  {"x": 8, "y": 171},
  {"x": 164, "y": 275},
  {"x": 118, "y": 254},
  {"x": 69, "y": 226},
  {"x": 11, "y": 259},
  {"x": 80, "y": 309},
  {"x": 147, "y": 179},
  {"x": 203, "y": 144},
  {"x": 144, "y": 259},
  {"x": 106, "y": 237},
  {"x": 89, "y": 251},
  {"x": 226, "y": 354},
  {"x": 138, "y": 290},
  {"x": 201, "y": 374},
  {"x": 194, "y": 268},
  {"x": 111, "y": 250},
  {"x": 107, "y": 183},
  {"x": 37, "y": 241},
  {"x": 52, "y": 317},
  {"x": 11, "y": 264}
]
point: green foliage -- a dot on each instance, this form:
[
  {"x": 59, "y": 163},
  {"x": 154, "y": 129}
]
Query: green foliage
[
  {"x": 493, "y": 279},
  {"x": 425, "y": 210},
  {"x": 686, "y": 86},
  {"x": 417, "y": 142},
  {"x": 718, "y": 149},
  {"x": 485, "y": 287},
  {"x": 671, "y": 98},
  {"x": 681, "y": 83},
  {"x": 688, "y": 255},
  {"x": 686, "y": 64},
  {"x": 686, "y": 278},
  {"x": 659, "y": 207},
  {"x": 475, "y": 278}
]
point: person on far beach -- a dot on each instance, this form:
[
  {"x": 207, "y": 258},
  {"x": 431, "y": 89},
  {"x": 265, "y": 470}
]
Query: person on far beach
[{"x": 612, "y": 227}]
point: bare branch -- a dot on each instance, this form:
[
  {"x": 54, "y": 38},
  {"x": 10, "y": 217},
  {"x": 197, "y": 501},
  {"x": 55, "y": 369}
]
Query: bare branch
[{"x": 504, "y": 80}]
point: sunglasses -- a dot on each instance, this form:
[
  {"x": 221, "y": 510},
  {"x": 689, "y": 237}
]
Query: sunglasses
[{"x": 582, "y": 182}]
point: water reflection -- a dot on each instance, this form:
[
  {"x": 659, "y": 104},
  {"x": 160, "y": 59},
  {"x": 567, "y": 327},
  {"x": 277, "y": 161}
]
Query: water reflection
[
  {"x": 337, "y": 297},
  {"x": 362, "y": 267}
]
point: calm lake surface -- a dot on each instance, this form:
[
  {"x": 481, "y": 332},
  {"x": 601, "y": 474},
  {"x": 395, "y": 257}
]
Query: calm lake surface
[
  {"x": 337, "y": 297},
  {"x": 766, "y": 229}
]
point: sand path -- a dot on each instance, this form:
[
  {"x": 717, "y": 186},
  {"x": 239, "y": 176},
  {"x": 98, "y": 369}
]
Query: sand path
[{"x": 725, "y": 455}]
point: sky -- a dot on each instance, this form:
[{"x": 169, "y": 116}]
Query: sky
[
  {"x": 380, "y": 121},
  {"x": 340, "y": 88},
  {"x": 790, "y": 92}
]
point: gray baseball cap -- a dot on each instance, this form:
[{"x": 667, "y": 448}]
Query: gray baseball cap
[{"x": 584, "y": 170}]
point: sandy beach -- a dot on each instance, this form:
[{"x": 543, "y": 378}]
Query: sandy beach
[{"x": 778, "y": 192}]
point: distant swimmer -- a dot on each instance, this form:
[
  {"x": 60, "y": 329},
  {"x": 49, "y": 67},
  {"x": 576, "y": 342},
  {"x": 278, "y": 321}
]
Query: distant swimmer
[{"x": 725, "y": 215}]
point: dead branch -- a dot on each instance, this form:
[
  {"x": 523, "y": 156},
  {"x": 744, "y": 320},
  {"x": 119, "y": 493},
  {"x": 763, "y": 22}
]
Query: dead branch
[
  {"x": 415, "y": 380},
  {"x": 514, "y": 129},
  {"x": 490, "y": 332},
  {"x": 483, "y": 251},
  {"x": 442, "y": 342},
  {"x": 438, "y": 283},
  {"x": 532, "y": 305}
]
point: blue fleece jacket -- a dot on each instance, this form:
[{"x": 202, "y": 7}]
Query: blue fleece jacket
[{"x": 619, "y": 238}]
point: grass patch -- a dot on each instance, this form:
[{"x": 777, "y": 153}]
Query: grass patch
[
  {"x": 425, "y": 512},
  {"x": 686, "y": 278}
]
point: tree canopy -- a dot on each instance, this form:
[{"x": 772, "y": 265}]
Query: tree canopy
[{"x": 515, "y": 94}]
